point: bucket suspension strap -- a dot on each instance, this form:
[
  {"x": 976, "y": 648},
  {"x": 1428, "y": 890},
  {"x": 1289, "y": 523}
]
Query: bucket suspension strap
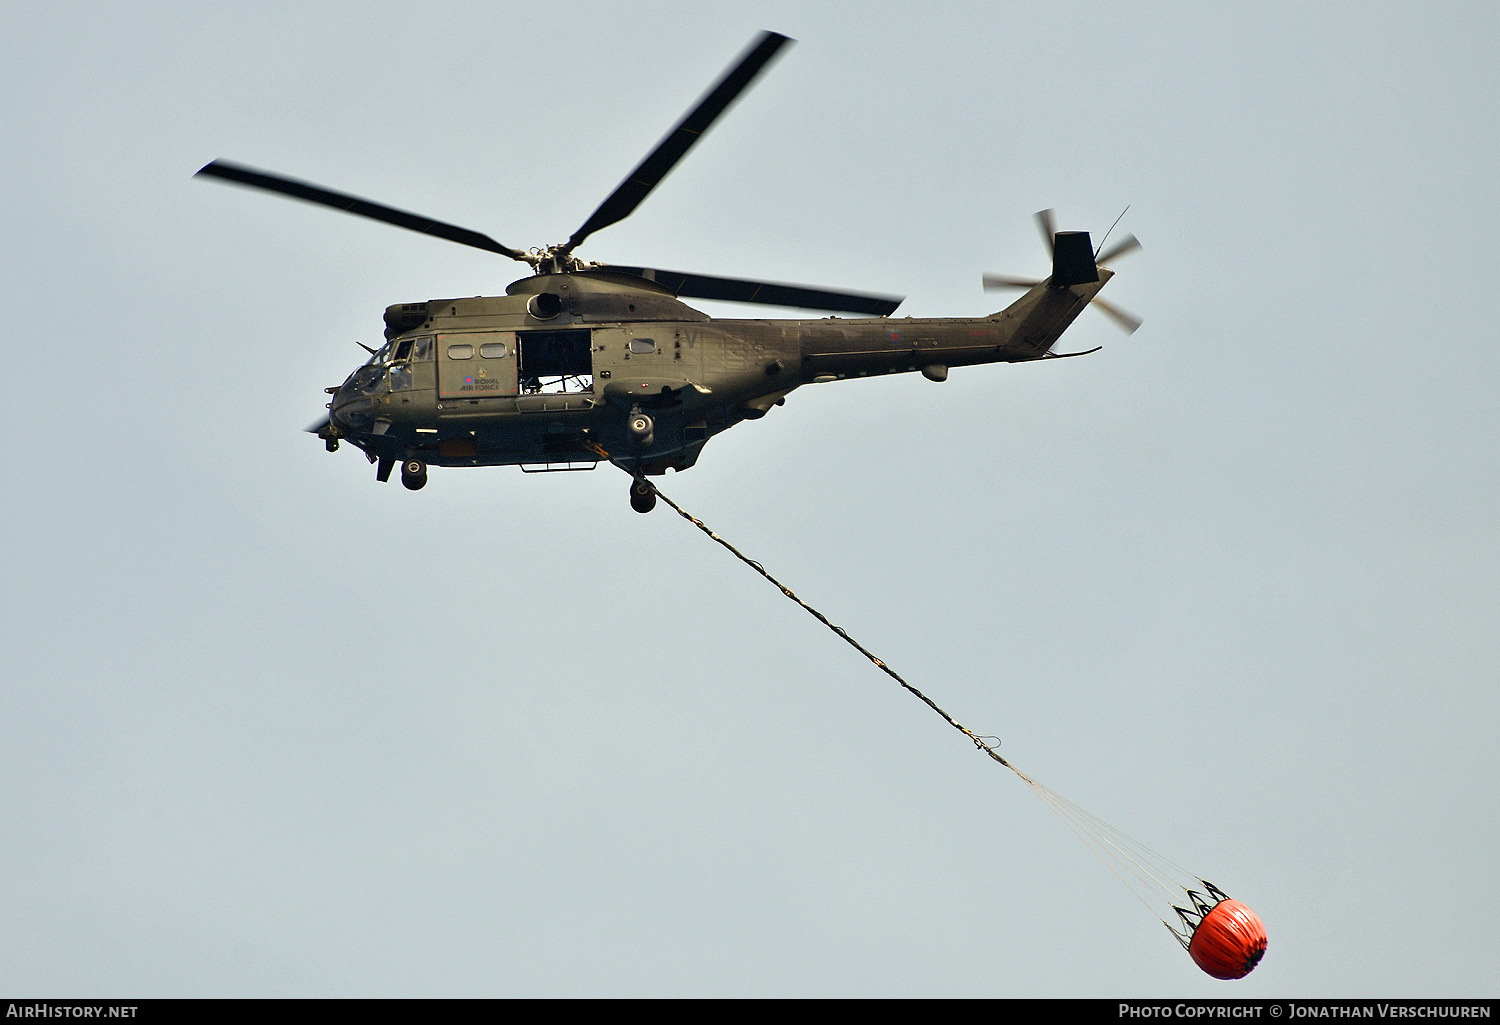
[{"x": 979, "y": 742}]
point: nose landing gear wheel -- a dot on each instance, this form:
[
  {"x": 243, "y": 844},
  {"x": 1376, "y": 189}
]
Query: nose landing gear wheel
[
  {"x": 642, "y": 495},
  {"x": 414, "y": 475}
]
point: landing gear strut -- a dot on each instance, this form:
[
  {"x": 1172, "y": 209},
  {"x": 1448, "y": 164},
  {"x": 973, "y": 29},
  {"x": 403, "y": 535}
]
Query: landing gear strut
[
  {"x": 642, "y": 495},
  {"x": 330, "y": 435},
  {"x": 414, "y": 475}
]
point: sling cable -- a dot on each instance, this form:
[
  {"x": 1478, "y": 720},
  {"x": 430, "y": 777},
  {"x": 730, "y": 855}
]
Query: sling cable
[{"x": 1224, "y": 937}]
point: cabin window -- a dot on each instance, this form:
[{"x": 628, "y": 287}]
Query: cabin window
[
  {"x": 642, "y": 346},
  {"x": 460, "y": 352},
  {"x": 492, "y": 350}
]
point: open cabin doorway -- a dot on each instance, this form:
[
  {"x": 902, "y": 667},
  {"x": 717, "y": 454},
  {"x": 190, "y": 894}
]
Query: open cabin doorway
[{"x": 552, "y": 362}]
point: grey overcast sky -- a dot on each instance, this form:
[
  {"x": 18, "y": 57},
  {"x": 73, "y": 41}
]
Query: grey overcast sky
[{"x": 274, "y": 729}]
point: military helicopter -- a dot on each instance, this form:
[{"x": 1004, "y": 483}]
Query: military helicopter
[{"x": 585, "y": 362}]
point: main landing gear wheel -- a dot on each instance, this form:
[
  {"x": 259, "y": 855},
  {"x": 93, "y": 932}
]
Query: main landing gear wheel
[
  {"x": 414, "y": 475},
  {"x": 642, "y": 430},
  {"x": 642, "y": 495}
]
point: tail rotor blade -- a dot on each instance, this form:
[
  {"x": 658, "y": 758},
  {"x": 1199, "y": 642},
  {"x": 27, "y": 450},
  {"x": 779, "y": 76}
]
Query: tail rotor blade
[
  {"x": 1128, "y": 244},
  {"x": 994, "y": 281},
  {"x": 1128, "y": 321},
  {"x": 1048, "y": 223}
]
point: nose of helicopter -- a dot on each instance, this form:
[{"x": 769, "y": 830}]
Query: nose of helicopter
[{"x": 352, "y": 405}]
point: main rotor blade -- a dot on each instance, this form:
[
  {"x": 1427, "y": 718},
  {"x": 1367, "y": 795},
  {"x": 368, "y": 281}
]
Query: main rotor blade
[
  {"x": 639, "y": 183},
  {"x": 768, "y": 293},
  {"x": 1048, "y": 223},
  {"x": 354, "y": 205},
  {"x": 1128, "y": 321},
  {"x": 1128, "y": 244},
  {"x": 993, "y": 281}
]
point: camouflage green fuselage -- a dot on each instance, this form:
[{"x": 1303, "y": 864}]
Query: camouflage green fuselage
[{"x": 487, "y": 382}]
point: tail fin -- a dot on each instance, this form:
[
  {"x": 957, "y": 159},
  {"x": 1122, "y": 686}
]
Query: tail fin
[{"x": 1073, "y": 259}]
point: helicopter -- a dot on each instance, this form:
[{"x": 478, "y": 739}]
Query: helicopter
[{"x": 583, "y": 362}]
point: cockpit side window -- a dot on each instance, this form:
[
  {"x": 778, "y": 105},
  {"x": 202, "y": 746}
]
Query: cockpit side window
[
  {"x": 403, "y": 350},
  {"x": 421, "y": 350}
]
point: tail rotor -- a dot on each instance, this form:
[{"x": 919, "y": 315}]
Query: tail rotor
[{"x": 1071, "y": 266}]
